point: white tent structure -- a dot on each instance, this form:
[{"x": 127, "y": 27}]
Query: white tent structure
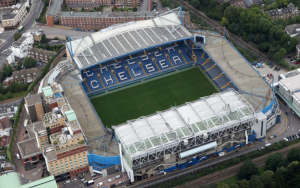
[{"x": 184, "y": 127}]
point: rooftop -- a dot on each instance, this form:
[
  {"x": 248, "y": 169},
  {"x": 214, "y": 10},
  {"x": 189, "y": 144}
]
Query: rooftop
[
  {"x": 289, "y": 9},
  {"x": 109, "y": 14},
  {"x": 40, "y": 128},
  {"x": 293, "y": 29},
  {"x": 200, "y": 117},
  {"x": 29, "y": 129},
  {"x": 8, "y": 16},
  {"x": 5, "y": 123},
  {"x": 71, "y": 116},
  {"x": 297, "y": 96},
  {"x": 50, "y": 153},
  {"x": 33, "y": 99},
  {"x": 41, "y": 51},
  {"x": 47, "y": 91},
  {"x": 25, "y": 71},
  {"x": 79, "y": 5},
  {"x": 291, "y": 83},
  {"x": 29, "y": 148},
  {"x": 123, "y": 39},
  {"x": 54, "y": 7}
]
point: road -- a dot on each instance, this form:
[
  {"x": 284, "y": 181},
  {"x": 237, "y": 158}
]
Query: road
[
  {"x": 237, "y": 40},
  {"x": 292, "y": 127},
  {"x": 34, "y": 12}
]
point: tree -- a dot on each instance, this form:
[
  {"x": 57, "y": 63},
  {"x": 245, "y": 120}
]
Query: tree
[
  {"x": 293, "y": 43},
  {"x": 195, "y": 3},
  {"x": 29, "y": 62},
  {"x": 255, "y": 182},
  {"x": 14, "y": 87},
  {"x": 267, "y": 179},
  {"x": 9, "y": 95},
  {"x": 134, "y": 9},
  {"x": 225, "y": 5},
  {"x": 247, "y": 170},
  {"x": 27, "y": 9},
  {"x": 234, "y": 185},
  {"x": 279, "y": 33},
  {"x": 1, "y": 97},
  {"x": 280, "y": 177},
  {"x": 44, "y": 39},
  {"x": 222, "y": 185},
  {"x": 224, "y": 22},
  {"x": 264, "y": 25},
  {"x": 293, "y": 155},
  {"x": 82, "y": 9},
  {"x": 7, "y": 70},
  {"x": 249, "y": 19},
  {"x": 279, "y": 55},
  {"x": 17, "y": 35},
  {"x": 281, "y": 22},
  {"x": 165, "y": 3},
  {"x": 285, "y": 38},
  {"x": 274, "y": 161},
  {"x": 281, "y": 3},
  {"x": 232, "y": 13},
  {"x": 244, "y": 184}
]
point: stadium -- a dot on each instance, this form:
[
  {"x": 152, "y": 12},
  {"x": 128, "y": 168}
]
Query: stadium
[{"x": 153, "y": 97}]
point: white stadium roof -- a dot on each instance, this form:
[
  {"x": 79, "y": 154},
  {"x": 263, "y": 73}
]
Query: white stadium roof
[
  {"x": 123, "y": 39},
  {"x": 196, "y": 118}
]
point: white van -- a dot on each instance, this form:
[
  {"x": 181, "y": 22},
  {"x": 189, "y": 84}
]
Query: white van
[
  {"x": 268, "y": 144},
  {"x": 18, "y": 156},
  {"x": 221, "y": 154}
]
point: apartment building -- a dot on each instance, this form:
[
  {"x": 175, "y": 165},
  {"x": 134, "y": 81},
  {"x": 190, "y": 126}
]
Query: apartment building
[
  {"x": 127, "y": 3},
  {"x": 286, "y": 13},
  {"x": 12, "y": 20},
  {"x": 53, "y": 10},
  {"x": 40, "y": 54},
  {"x": 57, "y": 138},
  {"x": 98, "y": 20},
  {"x": 24, "y": 76},
  {"x": 21, "y": 47},
  {"x": 34, "y": 107},
  {"x": 7, "y": 3},
  {"x": 7, "y": 57},
  {"x": 118, "y": 3}
]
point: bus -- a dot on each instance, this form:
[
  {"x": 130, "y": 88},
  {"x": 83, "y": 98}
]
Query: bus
[
  {"x": 25, "y": 122},
  {"x": 20, "y": 28}
]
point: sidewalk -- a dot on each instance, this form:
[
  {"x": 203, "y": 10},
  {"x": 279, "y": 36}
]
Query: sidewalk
[{"x": 277, "y": 128}]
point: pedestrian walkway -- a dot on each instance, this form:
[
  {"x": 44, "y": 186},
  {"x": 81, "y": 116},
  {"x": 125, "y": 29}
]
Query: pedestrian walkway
[{"x": 278, "y": 128}]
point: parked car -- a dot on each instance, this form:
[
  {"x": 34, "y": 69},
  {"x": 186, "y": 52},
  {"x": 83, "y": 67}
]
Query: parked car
[
  {"x": 271, "y": 137},
  {"x": 99, "y": 184},
  {"x": 18, "y": 156},
  {"x": 118, "y": 176},
  {"x": 113, "y": 185},
  {"x": 278, "y": 69},
  {"x": 286, "y": 139},
  {"x": 275, "y": 68},
  {"x": 120, "y": 182},
  {"x": 261, "y": 148},
  {"x": 288, "y": 56},
  {"x": 111, "y": 179},
  {"x": 268, "y": 144},
  {"x": 67, "y": 182},
  {"x": 221, "y": 154}
]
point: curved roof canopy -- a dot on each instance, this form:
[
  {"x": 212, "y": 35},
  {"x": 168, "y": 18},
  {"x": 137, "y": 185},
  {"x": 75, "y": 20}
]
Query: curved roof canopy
[{"x": 127, "y": 38}]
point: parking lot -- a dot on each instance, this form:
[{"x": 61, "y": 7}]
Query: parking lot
[{"x": 273, "y": 70}]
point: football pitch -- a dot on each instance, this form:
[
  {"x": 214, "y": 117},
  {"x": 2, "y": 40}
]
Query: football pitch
[{"x": 155, "y": 95}]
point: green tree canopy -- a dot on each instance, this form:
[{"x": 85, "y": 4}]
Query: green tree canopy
[
  {"x": 264, "y": 25},
  {"x": 232, "y": 13},
  {"x": 29, "y": 62},
  {"x": 250, "y": 18},
  {"x": 274, "y": 161},
  {"x": 195, "y": 3},
  {"x": 267, "y": 179},
  {"x": 285, "y": 38},
  {"x": 234, "y": 185},
  {"x": 247, "y": 170},
  {"x": 224, "y": 22},
  {"x": 243, "y": 184},
  {"x": 17, "y": 35},
  {"x": 7, "y": 70},
  {"x": 222, "y": 185},
  {"x": 165, "y": 3},
  {"x": 255, "y": 182}
]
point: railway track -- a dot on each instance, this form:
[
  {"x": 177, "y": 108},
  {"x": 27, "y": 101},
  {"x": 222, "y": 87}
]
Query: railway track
[
  {"x": 229, "y": 172},
  {"x": 237, "y": 40}
]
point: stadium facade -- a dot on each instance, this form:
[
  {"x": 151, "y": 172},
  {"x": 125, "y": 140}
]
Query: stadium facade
[{"x": 180, "y": 136}]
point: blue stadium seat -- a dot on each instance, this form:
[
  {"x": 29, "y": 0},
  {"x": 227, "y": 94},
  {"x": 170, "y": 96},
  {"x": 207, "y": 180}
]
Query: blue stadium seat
[
  {"x": 175, "y": 57},
  {"x": 94, "y": 83},
  {"x": 121, "y": 73},
  {"x": 162, "y": 62},
  {"x": 214, "y": 72},
  {"x": 199, "y": 53},
  {"x": 208, "y": 65},
  {"x": 221, "y": 81},
  {"x": 135, "y": 70},
  {"x": 185, "y": 53},
  {"x": 108, "y": 78},
  {"x": 148, "y": 65}
]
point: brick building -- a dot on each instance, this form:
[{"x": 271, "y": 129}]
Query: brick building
[
  {"x": 118, "y": 3},
  {"x": 40, "y": 54},
  {"x": 53, "y": 10},
  {"x": 24, "y": 76},
  {"x": 57, "y": 138},
  {"x": 286, "y": 13},
  {"x": 98, "y": 20},
  {"x": 7, "y": 3}
]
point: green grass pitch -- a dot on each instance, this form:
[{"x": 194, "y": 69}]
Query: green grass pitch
[{"x": 155, "y": 95}]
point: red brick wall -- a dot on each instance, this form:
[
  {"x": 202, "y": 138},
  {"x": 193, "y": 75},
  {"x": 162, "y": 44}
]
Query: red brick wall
[
  {"x": 72, "y": 152},
  {"x": 80, "y": 171},
  {"x": 56, "y": 129},
  {"x": 50, "y": 20},
  {"x": 76, "y": 132}
]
